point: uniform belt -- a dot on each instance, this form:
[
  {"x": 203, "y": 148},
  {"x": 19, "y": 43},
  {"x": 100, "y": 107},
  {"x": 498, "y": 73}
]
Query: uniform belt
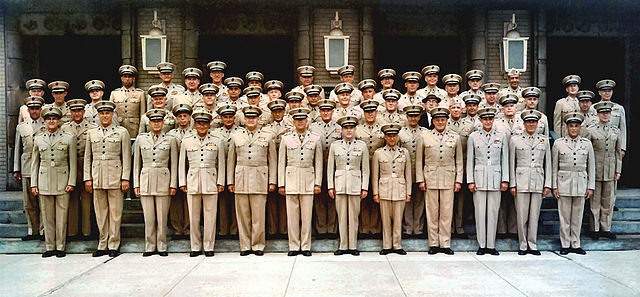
[
  {"x": 200, "y": 164},
  {"x": 49, "y": 163},
  {"x": 105, "y": 157},
  {"x": 157, "y": 164}
]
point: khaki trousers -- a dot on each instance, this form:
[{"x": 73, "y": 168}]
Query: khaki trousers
[
  {"x": 179, "y": 213},
  {"x": 31, "y": 208},
  {"x": 348, "y": 209},
  {"x": 528, "y": 212},
  {"x": 80, "y": 203},
  {"x": 250, "y": 211},
  {"x": 276, "y": 214},
  {"x": 54, "y": 209},
  {"x": 391, "y": 213},
  {"x": 487, "y": 205},
  {"x": 570, "y": 209},
  {"x": 457, "y": 225},
  {"x": 108, "y": 206},
  {"x": 228, "y": 224},
  {"x": 197, "y": 203},
  {"x": 325, "y": 213},
  {"x": 439, "y": 205},
  {"x": 155, "y": 210},
  {"x": 601, "y": 206},
  {"x": 507, "y": 222},
  {"x": 414, "y": 213},
  {"x": 370, "y": 222},
  {"x": 299, "y": 214}
]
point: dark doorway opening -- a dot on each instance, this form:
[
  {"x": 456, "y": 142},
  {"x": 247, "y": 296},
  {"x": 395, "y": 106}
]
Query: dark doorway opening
[
  {"x": 271, "y": 55},
  {"x": 413, "y": 53},
  {"x": 78, "y": 59}
]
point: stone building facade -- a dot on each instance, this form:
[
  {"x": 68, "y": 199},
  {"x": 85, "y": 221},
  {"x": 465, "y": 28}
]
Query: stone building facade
[{"x": 80, "y": 40}]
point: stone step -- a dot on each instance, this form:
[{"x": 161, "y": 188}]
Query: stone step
[
  {"x": 623, "y": 214},
  {"x": 7, "y": 204},
  {"x": 132, "y": 204},
  {"x": 136, "y": 245},
  {"x": 13, "y": 230},
  {"x": 618, "y": 227},
  {"x": 132, "y": 217},
  {"x": 13, "y": 217}
]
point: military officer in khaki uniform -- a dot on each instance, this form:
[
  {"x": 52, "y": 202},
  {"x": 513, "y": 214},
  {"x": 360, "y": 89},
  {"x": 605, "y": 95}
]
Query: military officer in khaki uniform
[
  {"x": 166, "y": 72},
  {"x": 294, "y": 100},
  {"x": 155, "y": 180},
  {"x": 487, "y": 175},
  {"x": 490, "y": 100},
  {"x": 59, "y": 92},
  {"x": 471, "y": 105},
  {"x": 95, "y": 88},
  {"x": 411, "y": 83},
  {"x": 35, "y": 86},
  {"x": 530, "y": 172},
  {"x": 387, "y": 77},
  {"x": 209, "y": 101},
  {"x": 299, "y": 178},
  {"x": 391, "y": 114},
  {"x": 573, "y": 181},
  {"x": 348, "y": 182},
  {"x": 80, "y": 201},
  {"x": 53, "y": 177},
  {"x": 452, "y": 87},
  {"x": 430, "y": 74},
  {"x": 191, "y": 95},
  {"x": 531, "y": 97},
  {"x": 566, "y": 105},
  {"x": 414, "y": 210},
  {"x": 251, "y": 174},
  {"x": 25, "y": 132},
  {"x": 367, "y": 89},
  {"x": 216, "y": 72},
  {"x": 130, "y": 101},
  {"x": 607, "y": 147},
  {"x": 274, "y": 89},
  {"x": 345, "y": 104},
  {"x": 313, "y": 100},
  {"x": 305, "y": 75},
  {"x": 201, "y": 174},
  {"x": 234, "y": 87},
  {"x": 178, "y": 209},
  {"x": 253, "y": 95},
  {"x": 391, "y": 185},
  {"x": 513, "y": 76},
  {"x": 585, "y": 103},
  {"x": 228, "y": 226},
  {"x": 369, "y": 132},
  {"x": 439, "y": 172},
  {"x": 474, "y": 80},
  {"x": 255, "y": 79},
  {"x": 107, "y": 167},
  {"x": 618, "y": 115},
  {"x": 346, "y": 73},
  {"x": 158, "y": 95}
]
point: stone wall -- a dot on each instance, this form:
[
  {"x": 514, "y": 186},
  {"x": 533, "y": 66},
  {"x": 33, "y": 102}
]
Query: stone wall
[
  {"x": 3, "y": 107},
  {"x": 495, "y": 32}
]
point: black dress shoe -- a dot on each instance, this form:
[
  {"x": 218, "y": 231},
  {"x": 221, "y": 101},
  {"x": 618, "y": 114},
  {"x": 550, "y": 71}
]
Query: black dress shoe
[
  {"x": 30, "y": 237},
  {"x": 376, "y": 236},
  {"x": 86, "y": 237},
  {"x": 493, "y": 252},
  {"x": 354, "y": 252},
  {"x": 306, "y": 253},
  {"x": 48, "y": 254},
  {"x": 594, "y": 235},
  {"x": 579, "y": 251},
  {"x": 363, "y": 235},
  {"x": 41, "y": 237},
  {"x": 245, "y": 253},
  {"x": 422, "y": 236},
  {"x": 208, "y": 254},
  {"x": 534, "y": 252},
  {"x": 195, "y": 253},
  {"x": 480, "y": 252},
  {"x": 61, "y": 254},
  {"x": 332, "y": 236},
  {"x": 564, "y": 251},
  {"x": 100, "y": 253},
  {"x": 522, "y": 253},
  {"x": 400, "y": 252},
  {"x": 447, "y": 251},
  {"x": 385, "y": 251},
  {"x": 114, "y": 253},
  {"x": 608, "y": 234},
  {"x": 148, "y": 254},
  {"x": 615, "y": 208},
  {"x": 163, "y": 254},
  {"x": 293, "y": 253},
  {"x": 258, "y": 253},
  {"x": 434, "y": 250},
  {"x": 339, "y": 252}
]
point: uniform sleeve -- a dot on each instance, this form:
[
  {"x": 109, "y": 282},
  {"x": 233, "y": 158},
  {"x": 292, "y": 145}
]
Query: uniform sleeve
[
  {"x": 221, "y": 166},
  {"x": 35, "y": 164},
  {"x": 231, "y": 163},
  {"x": 365, "y": 167},
  {"x": 143, "y": 104},
  {"x": 407, "y": 172},
  {"x": 331, "y": 167},
  {"x": 282, "y": 163},
  {"x": 591, "y": 168},
  {"x": 174, "y": 163},
  {"x": 505, "y": 158},
  {"x": 547, "y": 165},
  {"x": 375, "y": 173},
  {"x": 419, "y": 159},
  {"x": 144, "y": 121},
  {"x": 137, "y": 163},
  {"x": 73, "y": 161},
  {"x": 182, "y": 167},
  {"x": 87, "y": 159},
  {"x": 272, "y": 159},
  {"x": 318, "y": 164},
  {"x": 554, "y": 166},
  {"x": 623, "y": 129},
  {"x": 125, "y": 139},
  {"x": 17, "y": 152},
  {"x": 557, "y": 119},
  {"x": 459, "y": 161},
  {"x": 546, "y": 128},
  {"x": 512, "y": 163},
  {"x": 470, "y": 159}
]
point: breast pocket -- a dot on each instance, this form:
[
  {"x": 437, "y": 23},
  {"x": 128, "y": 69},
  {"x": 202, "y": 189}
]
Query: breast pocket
[{"x": 43, "y": 182}]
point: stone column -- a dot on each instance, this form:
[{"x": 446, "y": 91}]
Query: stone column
[
  {"x": 127, "y": 35},
  {"x": 304, "y": 40},
  {"x": 191, "y": 37},
  {"x": 540, "y": 71},
  {"x": 367, "y": 68},
  {"x": 479, "y": 40},
  {"x": 13, "y": 66}
]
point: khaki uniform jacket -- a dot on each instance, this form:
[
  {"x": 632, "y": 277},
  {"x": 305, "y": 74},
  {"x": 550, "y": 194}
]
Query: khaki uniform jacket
[
  {"x": 201, "y": 165},
  {"x": 447, "y": 101},
  {"x": 407, "y": 99},
  {"x": 409, "y": 139},
  {"x": 378, "y": 97},
  {"x": 173, "y": 90},
  {"x": 238, "y": 103},
  {"x": 619, "y": 120},
  {"x": 224, "y": 135},
  {"x": 107, "y": 157},
  {"x": 155, "y": 164},
  {"x": 543, "y": 124},
  {"x": 463, "y": 127},
  {"x": 391, "y": 173},
  {"x": 530, "y": 163},
  {"x": 53, "y": 164},
  {"x": 131, "y": 105},
  {"x": 264, "y": 119},
  {"x": 372, "y": 137},
  {"x": 170, "y": 123},
  {"x": 487, "y": 159},
  {"x": 355, "y": 111},
  {"x": 563, "y": 106},
  {"x": 441, "y": 93},
  {"x": 277, "y": 129},
  {"x": 520, "y": 106},
  {"x": 385, "y": 117},
  {"x": 252, "y": 162},
  {"x": 188, "y": 98},
  {"x": 25, "y": 132},
  {"x": 223, "y": 92},
  {"x": 348, "y": 167},
  {"x": 607, "y": 142},
  {"x": 179, "y": 134},
  {"x": 573, "y": 164},
  {"x": 509, "y": 127},
  {"x": 66, "y": 112},
  {"x": 300, "y": 163},
  {"x": 439, "y": 160},
  {"x": 470, "y": 92},
  {"x": 80, "y": 132},
  {"x": 91, "y": 115},
  {"x": 328, "y": 132}
]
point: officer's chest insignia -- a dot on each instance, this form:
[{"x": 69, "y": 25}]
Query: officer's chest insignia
[
  {"x": 401, "y": 155},
  {"x": 337, "y": 131},
  {"x": 61, "y": 143},
  {"x": 497, "y": 141},
  {"x": 357, "y": 149},
  {"x": 616, "y": 108},
  {"x": 174, "y": 92},
  {"x": 165, "y": 141},
  {"x": 114, "y": 135},
  {"x": 43, "y": 128},
  {"x": 85, "y": 132},
  {"x": 210, "y": 144}
]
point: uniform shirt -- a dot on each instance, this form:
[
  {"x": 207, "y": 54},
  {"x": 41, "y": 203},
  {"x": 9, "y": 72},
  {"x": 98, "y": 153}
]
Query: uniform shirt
[
  {"x": 484, "y": 104},
  {"x": 66, "y": 112},
  {"x": 530, "y": 163},
  {"x": 53, "y": 164},
  {"x": 409, "y": 139},
  {"x": 223, "y": 92},
  {"x": 348, "y": 167},
  {"x": 224, "y": 135},
  {"x": 391, "y": 173},
  {"x": 510, "y": 127},
  {"x": 543, "y": 124},
  {"x": 355, "y": 111},
  {"x": 573, "y": 165},
  {"x": 300, "y": 162},
  {"x": 173, "y": 90},
  {"x": 607, "y": 143},
  {"x": 238, "y": 103},
  {"x": 205, "y": 158},
  {"x": 155, "y": 164},
  {"x": 439, "y": 162},
  {"x": 80, "y": 132},
  {"x": 91, "y": 114},
  {"x": 447, "y": 101},
  {"x": 356, "y": 97},
  {"x": 471, "y": 92},
  {"x": 372, "y": 136},
  {"x": 252, "y": 161},
  {"x": 487, "y": 159},
  {"x": 25, "y": 132},
  {"x": 386, "y": 117},
  {"x": 619, "y": 120},
  {"x": 520, "y": 105},
  {"x": 378, "y": 97},
  {"x": 406, "y": 99},
  {"x": 441, "y": 93},
  {"x": 462, "y": 127},
  {"x": 563, "y": 106},
  {"x": 264, "y": 119},
  {"x": 277, "y": 129},
  {"x": 131, "y": 105},
  {"x": 328, "y": 132},
  {"x": 107, "y": 157},
  {"x": 188, "y": 97},
  {"x": 170, "y": 123}
]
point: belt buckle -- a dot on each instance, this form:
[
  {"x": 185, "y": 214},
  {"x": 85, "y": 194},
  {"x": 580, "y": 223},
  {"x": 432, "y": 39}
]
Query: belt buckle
[
  {"x": 202, "y": 165},
  {"x": 53, "y": 163},
  {"x": 103, "y": 157},
  {"x": 394, "y": 175},
  {"x": 154, "y": 164}
]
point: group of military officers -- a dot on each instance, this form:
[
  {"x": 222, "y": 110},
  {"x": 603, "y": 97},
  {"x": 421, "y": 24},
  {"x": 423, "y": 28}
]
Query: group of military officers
[{"x": 362, "y": 163}]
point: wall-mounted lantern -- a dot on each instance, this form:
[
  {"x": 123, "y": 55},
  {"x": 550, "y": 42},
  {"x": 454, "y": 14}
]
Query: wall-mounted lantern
[
  {"x": 154, "y": 45},
  {"x": 336, "y": 47},
  {"x": 514, "y": 48}
]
